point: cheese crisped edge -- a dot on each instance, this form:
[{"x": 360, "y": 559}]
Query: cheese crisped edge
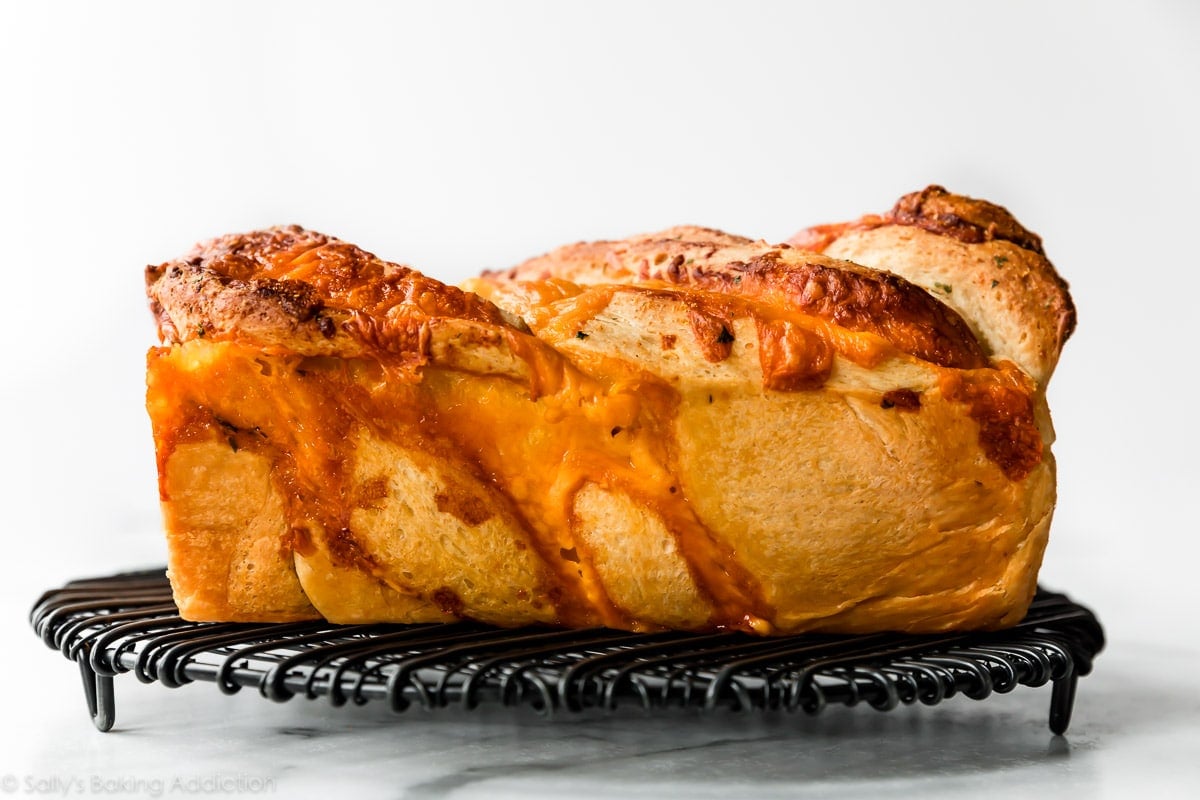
[{"x": 974, "y": 257}]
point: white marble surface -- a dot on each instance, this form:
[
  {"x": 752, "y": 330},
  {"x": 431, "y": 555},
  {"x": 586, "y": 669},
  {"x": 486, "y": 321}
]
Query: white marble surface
[
  {"x": 1136, "y": 729},
  {"x": 462, "y": 135}
]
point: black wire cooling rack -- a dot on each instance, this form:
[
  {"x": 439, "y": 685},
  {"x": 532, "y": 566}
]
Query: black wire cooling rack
[{"x": 128, "y": 623}]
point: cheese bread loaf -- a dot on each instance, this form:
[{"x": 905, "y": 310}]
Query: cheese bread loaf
[{"x": 685, "y": 430}]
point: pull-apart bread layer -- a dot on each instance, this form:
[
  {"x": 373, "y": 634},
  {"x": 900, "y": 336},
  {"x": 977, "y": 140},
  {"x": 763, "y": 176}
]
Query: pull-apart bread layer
[
  {"x": 975, "y": 258},
  {"x": 685, "y": 430}
]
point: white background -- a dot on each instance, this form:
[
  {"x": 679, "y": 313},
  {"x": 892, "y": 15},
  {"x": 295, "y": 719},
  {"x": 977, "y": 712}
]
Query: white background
[{"x": 459, "y": 136}]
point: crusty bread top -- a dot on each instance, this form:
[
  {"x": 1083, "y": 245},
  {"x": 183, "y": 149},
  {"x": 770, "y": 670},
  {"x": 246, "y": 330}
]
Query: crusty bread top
[
  {"x": 295, "y": 289},
  {"x": 973, "y": 256},
  {"x": 937, "y": 211},
  {"x": 838, "y": 291},
  {"x": 291, "y": 288}
]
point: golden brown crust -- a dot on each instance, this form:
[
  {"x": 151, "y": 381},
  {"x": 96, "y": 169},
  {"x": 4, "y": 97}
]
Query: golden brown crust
[
  {"x": 976, "y": 258},
  {"x": 301, "y": 291},
  {"x": 838, "y": 291},
  {"x": 965, "y": 218},
  {"x": 935, "y": 210}
]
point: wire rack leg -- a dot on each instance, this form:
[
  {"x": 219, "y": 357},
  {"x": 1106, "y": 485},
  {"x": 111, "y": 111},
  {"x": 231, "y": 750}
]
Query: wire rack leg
[
  {"x": 98, "y": 690},
  {"x": 1062, "y": 701}
]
